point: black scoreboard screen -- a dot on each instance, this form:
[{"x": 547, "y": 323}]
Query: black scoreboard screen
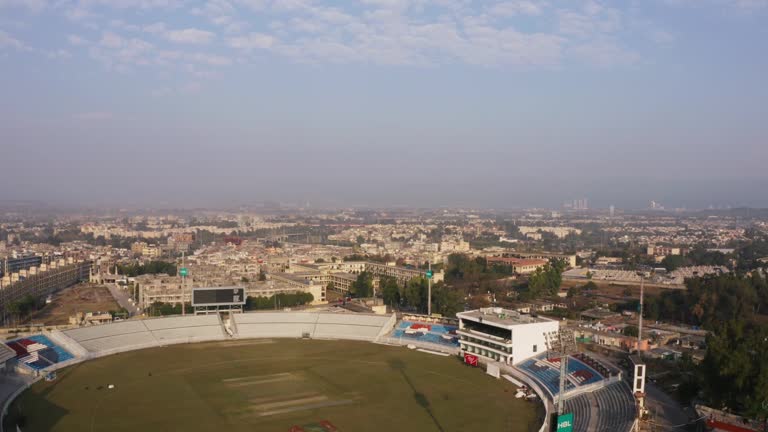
[{"x": 218, "y": 296}]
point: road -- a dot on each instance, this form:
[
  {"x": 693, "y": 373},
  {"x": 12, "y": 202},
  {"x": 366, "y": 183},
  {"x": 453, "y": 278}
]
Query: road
[{"x": 121, "y": 297}]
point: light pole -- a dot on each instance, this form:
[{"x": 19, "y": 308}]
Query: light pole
[
  {"x": 183, "y": 283},
  {"x": 429, "y": 289},
  {"x": 640, "y": 312}
]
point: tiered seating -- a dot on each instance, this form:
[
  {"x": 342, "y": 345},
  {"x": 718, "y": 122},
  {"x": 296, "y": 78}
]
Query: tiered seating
[
  {"x": 118, "y": 343},
  {"x": 129, "y": 335},
  {"x": 122, "y": 336},
  {"x": 616, "y": 409},
  {"x": 275, "y": 324},
  {"x": 581, "y": 373},
  {"x": 544, "y": 372},
  {"x": 596, "y": 365},
  {"x": 106, "y": 330},
  {"x": 547, "y": 372},
  {"x": 38, "y": 352},
  {"x": 433, "y": 333},
  {"x": 186, "y": 329},
  {"x": 350, "y": 326},
  {"x": 353, "y": 319},
  {"x": 580, "y": 407}
]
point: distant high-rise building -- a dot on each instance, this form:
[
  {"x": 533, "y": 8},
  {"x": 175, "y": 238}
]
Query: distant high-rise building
[
  {"x": 580, "y": 204},
  {"x": 612, "y": 210}
]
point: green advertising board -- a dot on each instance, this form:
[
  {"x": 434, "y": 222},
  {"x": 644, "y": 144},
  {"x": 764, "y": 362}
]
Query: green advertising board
[
  {"x": 565, "y": 422},
  {"x": 429, "y": 274},
  {"x": 183, "y": 272}
]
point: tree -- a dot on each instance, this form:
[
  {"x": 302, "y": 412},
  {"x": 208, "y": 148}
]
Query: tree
[
  {"x": 734, "y": 373},
  {"x": 282, "y": 300},
  {"x": 152, "y": 267},
  {"x": 545, "y": 281},
  {"x": 446, "y": 301},
  {"x": 262, "y": 275},
  {"x": 390, "y": 290},
  {"x": 630, "y": 330},
  {"x": 363, "y": 286},
  {"x": 415, "y": 293},
  {"x": 673, "y": 262}
]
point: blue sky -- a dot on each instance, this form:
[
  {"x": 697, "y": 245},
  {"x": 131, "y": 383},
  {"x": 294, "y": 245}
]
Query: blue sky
[{"x": 433, "y": 102}]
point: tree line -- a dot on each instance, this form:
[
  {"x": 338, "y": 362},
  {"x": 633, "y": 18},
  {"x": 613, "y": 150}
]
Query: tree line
[
  {"x": 410, "y": 296},
  {"x": 281, "y": 300},
  {"x": 734, "y": 372},
  {"x": 152, "y": 267}
]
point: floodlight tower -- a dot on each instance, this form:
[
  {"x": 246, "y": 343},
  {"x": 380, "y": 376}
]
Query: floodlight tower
[{"x": 563, "y": 344}]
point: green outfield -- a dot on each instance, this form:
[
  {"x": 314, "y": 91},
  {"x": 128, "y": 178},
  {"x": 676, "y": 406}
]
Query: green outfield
[{"x": 273, "y": 385}]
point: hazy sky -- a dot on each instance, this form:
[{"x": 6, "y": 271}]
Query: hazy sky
[{"x": 419, "y": 102}]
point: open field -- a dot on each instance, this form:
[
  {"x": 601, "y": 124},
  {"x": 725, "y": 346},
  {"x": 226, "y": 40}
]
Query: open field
[
  {"x": 273, "y": 385},
  {"x": 79, "y": 298},
  {"x": 614, "y": 291}
]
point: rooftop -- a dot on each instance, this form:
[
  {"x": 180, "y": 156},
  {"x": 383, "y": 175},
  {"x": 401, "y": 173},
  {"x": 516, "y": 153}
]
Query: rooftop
[{"x": 500, "y": 316}]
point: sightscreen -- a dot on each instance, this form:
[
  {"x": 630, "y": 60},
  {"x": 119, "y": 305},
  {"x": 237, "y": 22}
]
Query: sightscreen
[{"x": 218, "y": 296}]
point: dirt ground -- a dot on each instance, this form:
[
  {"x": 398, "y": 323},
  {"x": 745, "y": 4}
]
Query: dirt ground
[
  {"x": 79, "y": 298},
  {"x": 613, "y": 291}
]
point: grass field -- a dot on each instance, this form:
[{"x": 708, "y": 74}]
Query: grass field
[{"x": 273, "y": 385}]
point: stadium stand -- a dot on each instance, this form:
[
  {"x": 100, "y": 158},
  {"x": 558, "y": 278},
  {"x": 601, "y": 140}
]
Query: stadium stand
[
  {"x": 186, "y": 329},
  {"x": 38, "y": 352},
  {"x": 547, "y": 372},
  {"x": 275, "y": 324},
  {"x": 349, "y": 326},
  {"x": 616, "y": 408},
  {"x": 129, "y": 335},
  {"x": 582, "y": 412},
  {"x": 604, "y": 370},
  {"x": 112, "y": 338},
  {"x": 434, "y": 333}
]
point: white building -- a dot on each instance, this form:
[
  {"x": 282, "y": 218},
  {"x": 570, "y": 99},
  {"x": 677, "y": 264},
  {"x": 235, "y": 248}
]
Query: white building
[{"x": 503, "y": 335}]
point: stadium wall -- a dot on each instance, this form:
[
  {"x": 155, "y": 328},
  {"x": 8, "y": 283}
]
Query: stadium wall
[
  {"x": 540, "y": 392},
  {"x": 13, "y": 397},
  {"x": 82, "y": 354}
]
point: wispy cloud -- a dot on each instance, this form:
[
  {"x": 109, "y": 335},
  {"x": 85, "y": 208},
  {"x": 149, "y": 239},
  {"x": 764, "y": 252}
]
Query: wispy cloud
[
  {"x": 497, "y": 33},
  {"x": 7, "y": 41},
  {"x": 252, "y": 41},
  {"x": 30, "y": 5},
  {"x": 190, "y": 36}
]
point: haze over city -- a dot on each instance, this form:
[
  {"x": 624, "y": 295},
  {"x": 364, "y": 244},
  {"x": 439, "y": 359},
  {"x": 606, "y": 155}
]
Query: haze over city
[{"x": 424, "y": 103}]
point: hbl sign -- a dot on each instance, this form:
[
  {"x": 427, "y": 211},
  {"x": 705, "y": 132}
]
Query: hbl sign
[{"x": 565, "y": 423}]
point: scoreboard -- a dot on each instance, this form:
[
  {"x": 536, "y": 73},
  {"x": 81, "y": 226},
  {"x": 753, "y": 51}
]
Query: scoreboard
[{"x": 220, "y": 296}]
